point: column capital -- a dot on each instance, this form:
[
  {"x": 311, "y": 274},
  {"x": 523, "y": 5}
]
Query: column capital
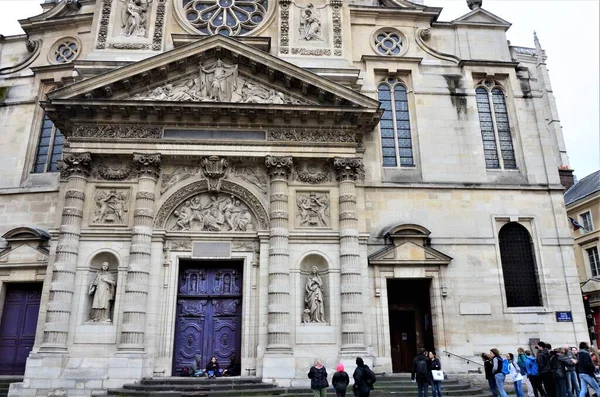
[
  {"x": 75, "y": 164},
  {"x": 349, "y": 168},
  {"x": 278, "y": 167},
  {"x": 147, "y": 164}
]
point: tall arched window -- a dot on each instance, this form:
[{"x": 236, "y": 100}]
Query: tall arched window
[
  {"x": 50, "y": 147},
  {"x": 495, "y": 129},
  {"x": 396, "y": 140},
  {"x": 518, "y": 266}
]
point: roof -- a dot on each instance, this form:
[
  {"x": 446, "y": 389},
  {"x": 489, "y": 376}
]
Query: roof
[{"x": 588, "y": 185}]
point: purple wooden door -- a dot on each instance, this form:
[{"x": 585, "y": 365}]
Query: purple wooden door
[
  {"x": 17, "y": 327},
  {"x": 209, "y": 311}
]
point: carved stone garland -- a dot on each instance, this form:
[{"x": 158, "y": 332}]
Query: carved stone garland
[
  {"x": 284, "y": 40},
  {"x": 104, "y": 20},
  {"x": 337, "y": 26},
  {"x": 311, "y": 135},
  {"x": 158, "y": 26},
  {"x": 75, "y": 166},
  {"x": 112, "y": 131}
]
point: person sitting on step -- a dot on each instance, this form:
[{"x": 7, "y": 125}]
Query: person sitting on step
[
  {"x": 212, "y": 368},
  {"x": 197, "y": 367},
  {"x": 234, "y": 368}
]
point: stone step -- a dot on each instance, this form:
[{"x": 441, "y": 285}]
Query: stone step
[{"x": 5, "y": 381}]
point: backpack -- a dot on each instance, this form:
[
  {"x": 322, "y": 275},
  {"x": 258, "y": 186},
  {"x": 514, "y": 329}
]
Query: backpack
[
  {"x": 505, "y": 369},
  {"x": 421, "y": 367},
  {"x": 531, "y": 366},
  {"x": 370, "y": 378},
  {"x": 185, "y": 371}
]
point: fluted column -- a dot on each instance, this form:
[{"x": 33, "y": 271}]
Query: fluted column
[
  {"x": 138, "y": 275},
  {"x": 56, "y": 329},
  {"x": 278, "y": 328},
  {"x": 348, "y": 170}
]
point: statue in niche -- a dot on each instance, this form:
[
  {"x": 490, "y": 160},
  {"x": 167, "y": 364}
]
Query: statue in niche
[
  {"x": 314, "y": 296},
  {"x": 110, "y": 207},
  {"x": 313, "y": 210},
  {"x": 310, "y": 23},
  {"x": 219, "y": 81},
  {"x": 103, "y": 289},
  {"x": 134, "y": 17},
  {"x": 215, "y": 215}
]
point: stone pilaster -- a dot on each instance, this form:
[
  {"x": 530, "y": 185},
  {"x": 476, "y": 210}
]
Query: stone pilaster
[
  {"x": 76, "y": 167},
  {"x": 279, "y": 303},
  {"x": 138, "y": 275},
  {"x": 348, "y": 171}
]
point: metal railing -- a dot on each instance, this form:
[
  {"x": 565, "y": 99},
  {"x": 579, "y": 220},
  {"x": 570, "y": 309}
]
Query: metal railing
[{"x": 468, "y": 360}]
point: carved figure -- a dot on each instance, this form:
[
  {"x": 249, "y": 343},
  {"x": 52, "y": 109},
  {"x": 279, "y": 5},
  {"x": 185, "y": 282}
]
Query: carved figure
[
  {"x": 110, "y": 207},
  {"x": 219, "y": 81},
  {"x": 214, "y": 215},
  {"x": 134, "y": 18},
  {"x": 310, "y": 23},
  {"x": 306, "y": 316},
  {"x": 178, "y": 175},
  {"x": 313, "y": 210},
  {"x": 103, "y": 289},
  {"x": 314, "y": 296},
  {"x": 474, "y": 4},
  {"x": 253, "y": 175},
  {"x": 185, "y": 216}
]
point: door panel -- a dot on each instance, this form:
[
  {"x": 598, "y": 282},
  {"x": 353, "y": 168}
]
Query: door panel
[
  {"x": 18, "y": 325},
  {"x": 403, "y": 340},
  {"x": 208, "y": 314}
]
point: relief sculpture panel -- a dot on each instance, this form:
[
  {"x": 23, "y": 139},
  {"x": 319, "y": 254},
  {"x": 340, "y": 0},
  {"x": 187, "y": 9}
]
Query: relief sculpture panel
[
  {"x": 110, "y": 207},
  {"x": 312, "y": 209},
  {"x": 212, "y": 213}
]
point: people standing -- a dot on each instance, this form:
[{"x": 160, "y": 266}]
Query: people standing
[
  {"x": 318, "y": 379},
  {"x": 489, "y": 374},
  {"x": 435, "y": 365},
  {"x": 361, "y": 375},
  {"x": 521, "y": 358},
  {"x": 572, "y": 376},
  {"x": 587, "y": 369},
  {"x": 533, "y": 375},
  {"x": 515, "y": 375},
  {"x": 340, "y": 381},
  {"x": 544, "y": 369},
  {"x": 497, "y": 371},
  {"x": 421, "y": 374}
]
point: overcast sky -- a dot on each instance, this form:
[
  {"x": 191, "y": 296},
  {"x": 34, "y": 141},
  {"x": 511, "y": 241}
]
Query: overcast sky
[{"x": 568, "y": 30}]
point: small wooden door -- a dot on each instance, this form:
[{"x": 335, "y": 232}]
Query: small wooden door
[
  {"x": 403, "y": 339},
  {"x": 18, "y": 325}
]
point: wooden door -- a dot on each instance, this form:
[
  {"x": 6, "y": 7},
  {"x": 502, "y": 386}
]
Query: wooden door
[{"x": 403, "y": 339}]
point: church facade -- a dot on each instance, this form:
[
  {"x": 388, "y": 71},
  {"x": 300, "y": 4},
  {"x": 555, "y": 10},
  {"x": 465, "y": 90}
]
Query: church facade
[{"x": 274, "y": 181}]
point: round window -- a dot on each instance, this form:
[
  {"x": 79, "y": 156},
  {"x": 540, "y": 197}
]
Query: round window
[
  {"x": 64, "y": 51},
  {"x": 225, "y": 17},
  {"x": 389, "y": 42}
]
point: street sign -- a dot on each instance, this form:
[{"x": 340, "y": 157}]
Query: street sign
[{"x": 564, "y": 317}]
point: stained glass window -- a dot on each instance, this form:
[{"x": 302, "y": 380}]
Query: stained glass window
[
  {"x": 495, "y": 127},
  {"x": 49, "y": 150},
  {"x": 396, "y": 140},
  {"x": 518, "y": 266},
  {"x": 225, "y": 17},
  {"x": 388, "y": 43}
]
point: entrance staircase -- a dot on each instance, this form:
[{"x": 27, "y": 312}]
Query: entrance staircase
[
  {"x": 398, "y": 385},
  {"x": 5, "y": 381}
]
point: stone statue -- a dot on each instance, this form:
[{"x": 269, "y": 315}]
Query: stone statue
[
  {"x": 474, "y": 4},
  {"x": 313, "y": 210},
  {"x": 134, "y": 18},
  {"x": 310, "y": 23},
  {"x": 110, "y": 207},
  {"x": 103, "y": 289},
  {"x": 314, "y": 296},
  {"x": 218, "y": 82}
]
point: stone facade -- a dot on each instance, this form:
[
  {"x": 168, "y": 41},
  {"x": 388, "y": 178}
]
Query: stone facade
[{"x": 255, "y": 163}]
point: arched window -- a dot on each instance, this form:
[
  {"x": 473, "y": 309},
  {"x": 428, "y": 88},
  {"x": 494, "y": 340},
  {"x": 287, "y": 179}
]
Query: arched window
[
  {"x": 518, "y": 266},
  {"x": 396, "y": 140},
  {"x": 50, "y": 147},
  {"x": 495, "y": 129}
]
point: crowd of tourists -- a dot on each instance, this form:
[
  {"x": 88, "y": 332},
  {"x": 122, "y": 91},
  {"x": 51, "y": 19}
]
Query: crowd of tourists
[
  {"x": 546, "y": 372},
  {"x": 363, "y": 376},
  {"x": 427, "y": 371}
]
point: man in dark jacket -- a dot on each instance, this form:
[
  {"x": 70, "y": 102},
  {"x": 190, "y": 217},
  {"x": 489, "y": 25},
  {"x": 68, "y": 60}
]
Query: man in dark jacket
[
  {"x": 361, "y": 387},
  {"x": 488, "y": 366},
  {"x": 544, "y": 369},
  {"x": 420, "y": 373},
  {"x": 586, "y": 369}
]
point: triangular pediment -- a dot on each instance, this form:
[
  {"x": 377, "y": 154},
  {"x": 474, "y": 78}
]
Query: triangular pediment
[
  {"x": 591, "y": 285},
  {"x": 481, "y": 17},
  {"x": 409, "y": 253}
]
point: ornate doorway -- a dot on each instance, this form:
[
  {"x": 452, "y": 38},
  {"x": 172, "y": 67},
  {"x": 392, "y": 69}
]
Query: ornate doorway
[
  {"x": 209, "y": 312},
  {"x": 17, "y": 328}
]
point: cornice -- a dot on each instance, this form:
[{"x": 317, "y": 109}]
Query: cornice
[
  {"x": 586, "y": 200},
  {"x": 483, "y": 62},
  {"x": 428, "y": 13},
  {"x": 58, "y": 22},
  {"x": 261, "y": 43},
  {"x": 387, "y": 58}
]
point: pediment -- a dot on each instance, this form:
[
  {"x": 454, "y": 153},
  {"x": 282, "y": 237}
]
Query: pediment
[
  {"x": 591, "y": 285},
  {"x": 409, "y": 253},
  {"x": 479, "y": 16},
  {"x": 403, "y": 4},
  {"x": 24, "y": 254}
]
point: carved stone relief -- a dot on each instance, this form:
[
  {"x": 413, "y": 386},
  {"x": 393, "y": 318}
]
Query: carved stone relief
[
  {"x": 314, "y": 311},
  {"x": 134, "y": 17},
  {"x": 213, "y": 213},
  {"x": 102, "y": 289},
  {"x": 116, "y": 131},
  {"x": 180, "y": 173},
  {"x": 111, "y": 169},
  {"x": 312, "y": 209},
  {"x": 253, "y": 174},
  {"x": 312, "y": 172},
  {"x": 310, "y": 23},
  {"x": 214, "y": 169},
  {"x": 217, "y": 83},
  {"x": 110, "y": 207},
  {"x": 310, "y": 135}
]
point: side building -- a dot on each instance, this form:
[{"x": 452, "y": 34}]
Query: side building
[{"x": 272, "y": 180}]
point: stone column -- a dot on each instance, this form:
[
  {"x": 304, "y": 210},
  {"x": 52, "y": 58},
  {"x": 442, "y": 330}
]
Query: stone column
[
  {"x": 136, "y": 290},
  {"x": 348, "y": 170},
  {"x": 56, "y": 329},
  {"x": 278, "y": 328}
]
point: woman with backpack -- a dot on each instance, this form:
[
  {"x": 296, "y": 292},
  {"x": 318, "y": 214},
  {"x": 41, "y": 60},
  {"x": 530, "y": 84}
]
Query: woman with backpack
[
  {"x": 434, "y": 365},
  {"x": 340, "y": 381},
  {"x": 500, "y": 370},
  {"x": 521, "y": 357},
  {"x": 532, "y": 374},
  {"x": 515, "y": 375},
  {"x": 363, "y": 379}
]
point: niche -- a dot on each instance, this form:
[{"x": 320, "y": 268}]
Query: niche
[
  {"x": 101, "y": 288},
  {"x": 315, "y": 287}
]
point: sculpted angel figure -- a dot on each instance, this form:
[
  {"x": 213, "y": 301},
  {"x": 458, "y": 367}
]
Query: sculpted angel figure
[
  {"x": 310, "y": 24},
  {"x": 314, "y": 296},
  {"x": 133, "y": 17},
  {"x": 218, "y": 82},
  {"x": 103, "y": 289}
]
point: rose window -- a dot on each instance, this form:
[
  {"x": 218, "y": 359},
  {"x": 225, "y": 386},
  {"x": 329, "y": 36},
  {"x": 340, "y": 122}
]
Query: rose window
[
  {"x": 225, "y": 17},
  {"x": 388, "y": 43},
  {"x": 65, "y": 51}
]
